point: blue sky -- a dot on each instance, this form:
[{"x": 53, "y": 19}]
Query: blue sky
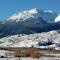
[{"x": 9, "y": 7}]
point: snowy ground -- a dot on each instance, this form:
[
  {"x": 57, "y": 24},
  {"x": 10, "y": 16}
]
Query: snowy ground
[
  {"x": 29, "y": 40},
  {"x": 29, "y": 58},
  {"x": 23, "y": 40}
]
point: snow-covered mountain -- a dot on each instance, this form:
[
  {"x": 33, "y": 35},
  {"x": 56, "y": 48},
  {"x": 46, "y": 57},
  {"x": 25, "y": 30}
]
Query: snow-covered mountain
[
  {"x": 30, "y": 21},
  {"x": 35, "y": 13},
  {"x": 27, "y": 28}
]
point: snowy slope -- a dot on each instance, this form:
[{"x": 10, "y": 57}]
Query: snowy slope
[
  {"x": 57, "y": 19},
  {"x": 34, "y": 13},
  {"x": 23, "y": 40},
  {"x": 21, "y": 16}
]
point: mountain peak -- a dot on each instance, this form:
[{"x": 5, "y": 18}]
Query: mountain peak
[
  {"x": 34, "y": 13},
  {"x": 23, "y": 15},
  {"x": 34, "y": 10}
]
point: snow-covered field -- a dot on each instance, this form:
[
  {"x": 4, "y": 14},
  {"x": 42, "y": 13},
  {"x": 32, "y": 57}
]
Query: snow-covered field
[
  {"x": 23, "y": 40},
  {"x": 29, "y": 58}
]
